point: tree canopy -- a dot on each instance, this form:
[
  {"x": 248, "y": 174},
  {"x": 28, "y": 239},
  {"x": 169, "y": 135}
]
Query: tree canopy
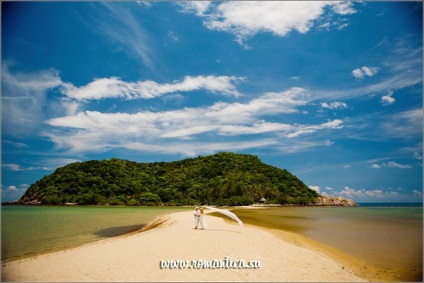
[{"x": 221, "y": 179}]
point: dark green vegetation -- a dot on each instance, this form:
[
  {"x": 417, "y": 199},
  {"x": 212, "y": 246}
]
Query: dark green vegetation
[{"x": 219, "y": 179}]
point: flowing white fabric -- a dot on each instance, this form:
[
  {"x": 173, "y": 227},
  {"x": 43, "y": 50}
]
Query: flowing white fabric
[
  {"x": 203, "y": 222},
  {"x": 226, "y": 213}
]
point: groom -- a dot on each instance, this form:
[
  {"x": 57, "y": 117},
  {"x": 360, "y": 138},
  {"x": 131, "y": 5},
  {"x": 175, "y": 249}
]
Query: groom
[{"x": 196, "y": 213}]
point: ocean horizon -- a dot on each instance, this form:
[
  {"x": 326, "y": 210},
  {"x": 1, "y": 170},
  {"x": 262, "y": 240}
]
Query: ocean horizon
[{"x": 390, "y": 204}]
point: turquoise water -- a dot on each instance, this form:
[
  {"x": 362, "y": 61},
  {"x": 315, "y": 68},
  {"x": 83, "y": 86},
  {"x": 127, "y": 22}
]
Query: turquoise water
[
  {"x": 30, "y": 230},
  {"x": 390, "y": 237}
]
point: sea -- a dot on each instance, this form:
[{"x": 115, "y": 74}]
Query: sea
[
  {"x": 387, "y": 235},
  {"x": 29, "y": 230}
]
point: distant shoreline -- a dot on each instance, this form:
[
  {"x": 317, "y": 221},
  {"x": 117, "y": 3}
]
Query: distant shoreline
[{"x": 257, "y": 205}]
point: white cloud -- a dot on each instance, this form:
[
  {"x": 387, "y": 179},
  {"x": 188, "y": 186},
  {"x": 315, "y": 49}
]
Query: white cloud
[
  {"x": 325, "y": 26},
  {"x": 15, "y": 144},
  {"x": 335, "y": 124},
  {"x": 418, "y": 156},
  {"x": 365, "y": 71},
  {"x": 116, "y": 88},
  {"x": 334, "y": 105},
  {"x": 98, "y": 131},
  {"x": 347, "y": 166},
  {"x": 342, "y": 26},
  {"x": 121, "y": 27},
  {"x": 12, "y": 192},
  {"x": 370, "y": 71},
  {"x": 172, "y": 36},
  {"x": 357, "y": 73},
  {"x": 388, "y": 99},
  {"x": 12, "y": 188},
  {"x": 365, "y": 194},
  {"x": 247, "y": 18},
  {"x": 197, "y": 7},
  {"x": 391, "y": 164},
  {"x": 351, "y": 192},
  {"x": 196, "y": 148},
  {"x": 343, "y": 8},
  {"x": 299, "y": 146},
  {"x": 315, "y": 188},
  {"x": 12, "y": 167},
  {"x": 405, "y": 124},
  {"x": 24, "y": 97}
]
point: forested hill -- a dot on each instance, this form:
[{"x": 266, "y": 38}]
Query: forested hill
[{"x": 219, "y": 179}]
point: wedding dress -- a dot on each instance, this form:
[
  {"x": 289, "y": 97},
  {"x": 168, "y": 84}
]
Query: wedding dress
[{"x": 203, "y": 222}]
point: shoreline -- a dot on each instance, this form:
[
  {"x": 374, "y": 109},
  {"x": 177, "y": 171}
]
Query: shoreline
[
  {"x": 135, "y": 256},
  {"x": 359, "y": 267}
]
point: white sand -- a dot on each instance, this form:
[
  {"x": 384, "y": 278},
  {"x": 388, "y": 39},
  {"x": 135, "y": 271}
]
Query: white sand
[{"x": 136, "y": 258}]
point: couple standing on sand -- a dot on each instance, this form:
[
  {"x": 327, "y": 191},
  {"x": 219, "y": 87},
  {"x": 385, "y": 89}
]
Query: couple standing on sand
[{"x": 199, "y": 218}]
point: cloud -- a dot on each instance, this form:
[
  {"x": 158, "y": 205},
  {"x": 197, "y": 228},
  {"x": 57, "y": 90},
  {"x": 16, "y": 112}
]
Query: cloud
[
  {"x": 196, "y": 148},
  {"x": 315, "y": 188},
  {"x": 114, "y": 87},
  {"x": 388, "y": 99},
  {"x": 405, "y": 124},
  {"x": 335, "y": 124},
  {"x": 197, "y": 7},
  {"x": 359, "y": 73},
  {"x": 391, "y": 164},
  {"x": 12, "y": 188},
  {"x": 158, "y": 131},
  {"x": 12, "y": 167},
  {"x": 301, "y": 146},
  {"x": 362, "y": 193},
  {"x": 12, "y": 192},
  {"x": 24, "y": 97},
  {"x": 171, "y": 35},
  {"x": 418, "y": 156},
  {"x": 351, "y": 192},
  {"x": 244, "y": 19},
  {"x": 122, "y": 27},
  {"x": 15, "y": 144},
  {"x": 343, "y": 8},
  {"x": 334, "y": 105}
]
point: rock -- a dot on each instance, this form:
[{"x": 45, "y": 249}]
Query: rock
[{"x": 335, "y": 201}]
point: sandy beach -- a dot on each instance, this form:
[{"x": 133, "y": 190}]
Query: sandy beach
[{"x": 136, "y": 257}]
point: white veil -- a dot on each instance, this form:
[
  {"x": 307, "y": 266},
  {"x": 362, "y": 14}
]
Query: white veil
[{"x": 226, "y": 213}]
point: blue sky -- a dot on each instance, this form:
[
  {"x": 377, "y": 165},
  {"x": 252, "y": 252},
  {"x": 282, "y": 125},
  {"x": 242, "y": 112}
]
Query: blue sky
[{"x": 331, "y": 91}]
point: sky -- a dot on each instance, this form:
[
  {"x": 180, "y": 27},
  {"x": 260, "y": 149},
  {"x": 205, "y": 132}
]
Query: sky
[{"x": 330, "y": 91}]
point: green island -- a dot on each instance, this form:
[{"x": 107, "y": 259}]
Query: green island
[{"x": 224, "y": 179}]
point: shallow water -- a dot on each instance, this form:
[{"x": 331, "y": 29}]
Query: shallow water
[
  {"x": 388, "y": 237},
  {"x": 30, "y": 230}
]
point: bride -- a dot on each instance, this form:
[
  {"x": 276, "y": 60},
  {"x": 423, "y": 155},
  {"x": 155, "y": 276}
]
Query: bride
[{"x": 202, "y": 219}]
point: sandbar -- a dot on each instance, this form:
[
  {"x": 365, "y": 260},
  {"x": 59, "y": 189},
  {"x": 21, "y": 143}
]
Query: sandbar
[{"x": 136, "y": 257}]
